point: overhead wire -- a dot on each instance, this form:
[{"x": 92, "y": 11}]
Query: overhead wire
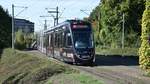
[
  {"x": 72, "y": 5},
  {"x": 87, "y": 9}
]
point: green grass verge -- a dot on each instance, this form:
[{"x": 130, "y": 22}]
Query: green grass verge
[
  {"x": 148, "y": 74},
  {"x": 118, "y": 51},
  {"x": 18, "y": 68},
  {"x": 22, "y": 68},
  {"x": 74, "y": 78}
]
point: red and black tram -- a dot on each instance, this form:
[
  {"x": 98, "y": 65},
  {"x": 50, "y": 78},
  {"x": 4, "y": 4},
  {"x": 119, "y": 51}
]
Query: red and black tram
[{"x": 70, "y": 41}]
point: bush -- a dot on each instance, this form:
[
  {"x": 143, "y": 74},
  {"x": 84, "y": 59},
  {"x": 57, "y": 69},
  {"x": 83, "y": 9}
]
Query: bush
[{"x": 144, "y": 51}]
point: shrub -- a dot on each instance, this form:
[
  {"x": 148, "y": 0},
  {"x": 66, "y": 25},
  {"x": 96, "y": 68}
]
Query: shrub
[{"x": 144, "y": 51}]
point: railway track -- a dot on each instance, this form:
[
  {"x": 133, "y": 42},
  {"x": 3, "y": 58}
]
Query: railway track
[
  {"x": 111, "y": 72},
  {"x": 114, "y": 77}
]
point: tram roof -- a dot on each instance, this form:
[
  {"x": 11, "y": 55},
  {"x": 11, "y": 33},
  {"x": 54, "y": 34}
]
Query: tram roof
[{"x": 64, "y": 23}]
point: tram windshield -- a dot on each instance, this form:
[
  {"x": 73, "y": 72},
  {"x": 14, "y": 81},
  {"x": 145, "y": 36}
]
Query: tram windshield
[{"x": 83, "y": 39}]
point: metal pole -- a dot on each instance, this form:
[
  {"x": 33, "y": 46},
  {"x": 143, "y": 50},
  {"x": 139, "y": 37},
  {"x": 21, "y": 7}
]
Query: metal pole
[
  {"x": 13, "y": 27},
  {"x": 45, "y": 25},
  {"x": 123, "y": 32},
  {"x": 57, "y": 15},
  {"x": 54, "y": 21}
]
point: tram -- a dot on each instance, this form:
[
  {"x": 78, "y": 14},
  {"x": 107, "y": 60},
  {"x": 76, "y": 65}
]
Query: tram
[{"x": 71, "y": 41}]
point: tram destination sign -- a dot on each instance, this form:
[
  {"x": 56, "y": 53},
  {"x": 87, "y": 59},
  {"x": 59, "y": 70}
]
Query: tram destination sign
[{"x": 79, "y": 26}]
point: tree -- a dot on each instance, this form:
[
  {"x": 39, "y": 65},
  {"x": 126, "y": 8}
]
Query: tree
[
  {"x": 110, "y": 22},
  {"x": 20, "y": 40},
  {"x": 144, "y": 51},
  {"x": 94, "y": 18},
  {"x": 29, "y": 38},
  {"x": 24, "y": 40},
  {"x": 5, "y": 29}
]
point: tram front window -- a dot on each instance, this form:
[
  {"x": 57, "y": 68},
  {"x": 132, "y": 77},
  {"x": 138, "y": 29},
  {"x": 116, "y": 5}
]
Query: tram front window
[{"x": 82, "y": 39}]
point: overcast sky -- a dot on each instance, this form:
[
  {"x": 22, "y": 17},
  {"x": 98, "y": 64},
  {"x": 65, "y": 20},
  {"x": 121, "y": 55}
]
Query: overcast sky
[{"x": 69, "y": 9}]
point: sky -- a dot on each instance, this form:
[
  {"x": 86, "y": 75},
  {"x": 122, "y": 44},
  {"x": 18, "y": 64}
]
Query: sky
[{"x": 69, "y": 9}]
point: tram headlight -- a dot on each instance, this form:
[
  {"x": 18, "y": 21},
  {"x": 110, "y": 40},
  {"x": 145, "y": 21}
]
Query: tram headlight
[{"x": 70, "y": 55}]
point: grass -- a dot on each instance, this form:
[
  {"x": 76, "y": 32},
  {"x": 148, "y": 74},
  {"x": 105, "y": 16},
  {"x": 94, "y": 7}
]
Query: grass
[
  {"x": 147, "y": 73},
  {"x": 80, "y": 78},
  {"x": 118, "y": 51},
  {"x": 21, "y": 68},
  {"x": 16, "y": 68}
]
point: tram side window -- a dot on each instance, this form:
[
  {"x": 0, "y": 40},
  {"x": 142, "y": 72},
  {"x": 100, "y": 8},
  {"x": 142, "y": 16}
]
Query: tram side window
[
  {"x": 55, "y": 38},
  {"x": 46, "y": 39},
  {"x": 58, "y": 40},
  {"x": 63, "y": 39},
  {"x": 68, "y": 40},
  {"x": 50, "y": 40}
]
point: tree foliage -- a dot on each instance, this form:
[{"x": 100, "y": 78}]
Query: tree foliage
[
  {"x": 5, "y": 29},
  {"x": 29, "y": 39},
  {"x": 24, "y": 40},
  {"x": 20, "y": 40},
  {"x": 144, "y": 50},
  {"x": 108, "y": 18}
]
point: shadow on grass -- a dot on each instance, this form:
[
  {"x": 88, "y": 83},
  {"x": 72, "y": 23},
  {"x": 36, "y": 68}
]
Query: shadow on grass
[{"x": 113, "y": 60}]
